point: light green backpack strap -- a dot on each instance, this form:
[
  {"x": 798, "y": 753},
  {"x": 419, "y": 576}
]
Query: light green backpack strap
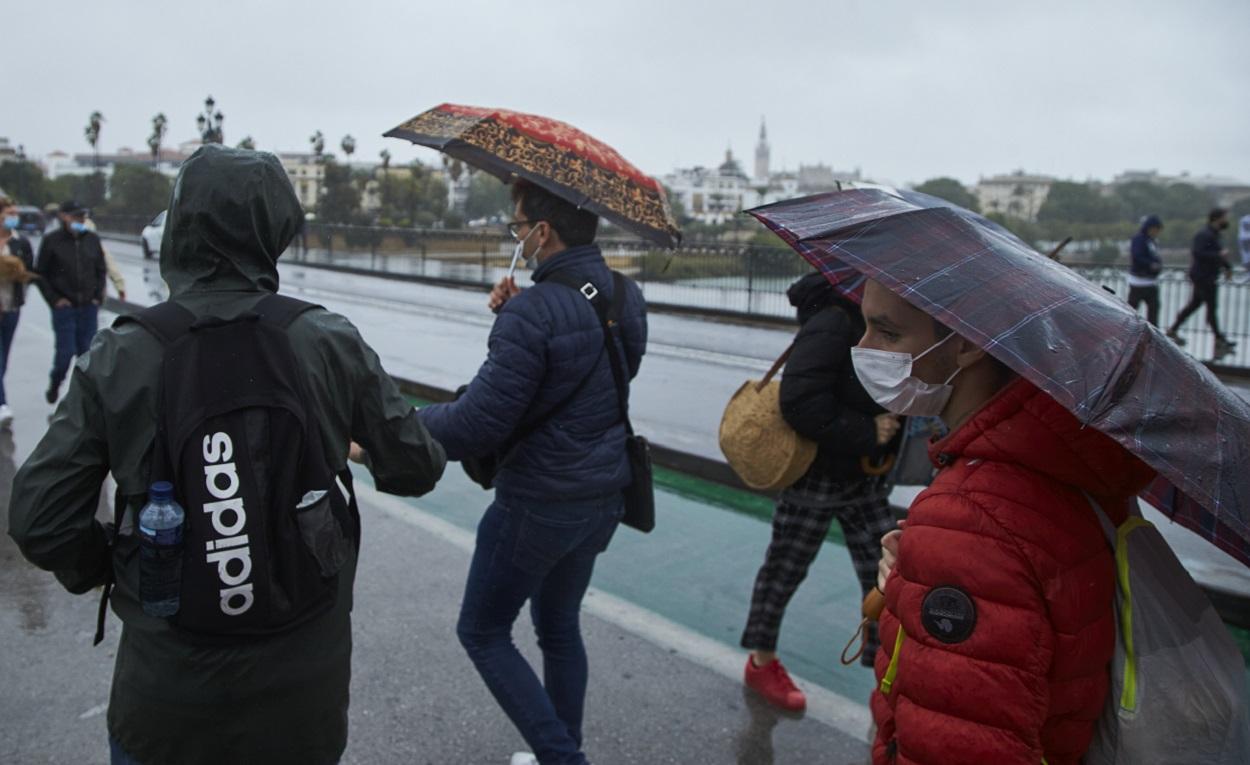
[
  {"x": 1118, "y": 538},
  {"x": 1128, "y": 697}
]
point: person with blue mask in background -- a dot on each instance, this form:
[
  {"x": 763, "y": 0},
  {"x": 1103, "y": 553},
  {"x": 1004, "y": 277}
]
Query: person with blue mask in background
[
  {"x": 16, "y": 261},
  {"x": 72, "y": 270}
]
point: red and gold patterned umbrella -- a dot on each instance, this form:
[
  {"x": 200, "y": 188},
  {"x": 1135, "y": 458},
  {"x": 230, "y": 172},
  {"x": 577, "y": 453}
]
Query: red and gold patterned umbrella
[{"x": 553, "y": 155}]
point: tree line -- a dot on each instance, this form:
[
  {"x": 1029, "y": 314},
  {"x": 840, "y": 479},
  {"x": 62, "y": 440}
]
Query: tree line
[
  {"x": 1084, "y": 211},
  {"x": 414, "y": 195}
]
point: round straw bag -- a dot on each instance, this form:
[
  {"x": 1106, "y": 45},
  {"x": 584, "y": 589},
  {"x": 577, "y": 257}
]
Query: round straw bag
[{"x": 760, "y": 446}]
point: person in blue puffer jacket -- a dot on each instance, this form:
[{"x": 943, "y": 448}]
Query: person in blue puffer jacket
[{"x": 558, "y": 491}]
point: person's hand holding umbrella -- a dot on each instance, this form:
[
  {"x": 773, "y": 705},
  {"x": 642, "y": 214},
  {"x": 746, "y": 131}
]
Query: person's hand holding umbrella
[{"x": 503, "y": 291}]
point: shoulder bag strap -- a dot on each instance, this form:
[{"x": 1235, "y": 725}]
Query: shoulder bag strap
[{"x": 609, "y": 315}]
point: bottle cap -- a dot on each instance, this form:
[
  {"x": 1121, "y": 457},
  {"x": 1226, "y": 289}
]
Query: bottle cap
[{"x": 162, "y": 490}]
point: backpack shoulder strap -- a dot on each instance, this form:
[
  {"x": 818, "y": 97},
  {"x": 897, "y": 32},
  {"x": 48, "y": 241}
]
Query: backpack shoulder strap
[
  {"x": 281, "y": 310},
  {"x": 166, "y": 321}
]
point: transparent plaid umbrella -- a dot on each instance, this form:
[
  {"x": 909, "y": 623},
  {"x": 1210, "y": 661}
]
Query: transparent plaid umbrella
[{"x": 1074, "y": 340}]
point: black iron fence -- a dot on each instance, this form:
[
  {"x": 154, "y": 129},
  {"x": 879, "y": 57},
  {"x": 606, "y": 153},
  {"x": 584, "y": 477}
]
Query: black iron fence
[{"x": 714, "y": 277}]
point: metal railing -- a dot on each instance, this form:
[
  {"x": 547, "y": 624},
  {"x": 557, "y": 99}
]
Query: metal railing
[
  {"x": 714, "y": 277},
  {"x": 718, "y": 278},
  {"x": 1175, "y": 291}
]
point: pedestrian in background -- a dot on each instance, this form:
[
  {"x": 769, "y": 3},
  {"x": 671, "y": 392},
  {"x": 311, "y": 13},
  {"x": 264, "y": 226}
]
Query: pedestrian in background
[
  {"x": 1208, "y": 258},
  {"x": 72, "y": 270},
  {"x": 823, "y": 401},
  {"x": 558, "y": 491},
  {"x": 13, "y": 279},
  {"x": 1243, "y": 242},
  {"x": 1143, "y": 275}
]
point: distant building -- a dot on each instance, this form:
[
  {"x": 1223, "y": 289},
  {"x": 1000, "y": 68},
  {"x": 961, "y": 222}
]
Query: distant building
[
  {"x": 7, "y": 152},
  {"x": 714, "y": 195},
  {"x": 457, "y": 190},
  {"x": 58, "y": 163},
  {"x": 371, "y": 197},
  {"x": 307, "y": 176},
  {"x": 1017, "y": 194},
  {"x": 1224, "y": 190},
  {"x": 762, "y": 153},
  {"x": 711, "y": 195}
]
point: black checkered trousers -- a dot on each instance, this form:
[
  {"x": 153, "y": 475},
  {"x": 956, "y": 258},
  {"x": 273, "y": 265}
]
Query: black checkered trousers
[{"x": 800, "y": 523}]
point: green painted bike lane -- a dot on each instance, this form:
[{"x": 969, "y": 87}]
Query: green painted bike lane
[{"x": 698, "y": 566}]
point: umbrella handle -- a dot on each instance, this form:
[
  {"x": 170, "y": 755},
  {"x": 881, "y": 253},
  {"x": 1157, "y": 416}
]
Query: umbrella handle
[
  {"x": 1054, "y": 254},
  {"x": 777, "y": 365}
]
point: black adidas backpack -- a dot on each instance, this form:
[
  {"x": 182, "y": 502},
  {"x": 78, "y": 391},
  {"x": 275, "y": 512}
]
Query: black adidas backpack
[{"x": 268, "y": 523}]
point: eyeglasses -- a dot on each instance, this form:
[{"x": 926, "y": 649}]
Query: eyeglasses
[{"x": 514, "y": 226}]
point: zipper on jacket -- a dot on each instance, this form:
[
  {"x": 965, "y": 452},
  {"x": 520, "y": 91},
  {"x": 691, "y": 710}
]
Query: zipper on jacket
[{"x": 78, "y": 267}]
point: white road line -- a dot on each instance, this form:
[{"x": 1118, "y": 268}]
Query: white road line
[{"x": 839, "y": 712}]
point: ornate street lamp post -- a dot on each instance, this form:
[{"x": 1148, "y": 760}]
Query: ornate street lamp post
[{"x": 210, "y": 123}]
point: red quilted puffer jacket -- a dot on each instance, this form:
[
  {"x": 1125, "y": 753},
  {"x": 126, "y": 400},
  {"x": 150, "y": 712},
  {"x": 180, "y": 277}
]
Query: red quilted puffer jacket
[{"x": 1004, "y": 591}]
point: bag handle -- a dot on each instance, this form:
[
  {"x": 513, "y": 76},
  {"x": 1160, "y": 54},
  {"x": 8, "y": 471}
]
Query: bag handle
[{"x": 777, "y": 365}]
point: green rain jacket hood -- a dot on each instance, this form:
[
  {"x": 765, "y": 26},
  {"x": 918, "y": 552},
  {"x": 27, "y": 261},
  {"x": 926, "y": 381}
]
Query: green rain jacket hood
[
  {"x": 231, "y": 214},
  {"x": 280, "y": 700}
]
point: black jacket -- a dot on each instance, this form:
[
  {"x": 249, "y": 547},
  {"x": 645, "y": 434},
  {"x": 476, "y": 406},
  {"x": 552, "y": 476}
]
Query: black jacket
[
  {"x": 1208, "y": 258},
  {"x": 72, "y": 267},
  {"x": 20, "y": 247},
  {"x": 821, "y": 398}
]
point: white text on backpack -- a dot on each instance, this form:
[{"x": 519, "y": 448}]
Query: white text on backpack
[{"x": 229, "y": 518}]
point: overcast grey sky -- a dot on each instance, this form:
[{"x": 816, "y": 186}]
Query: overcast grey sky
[{"x": 904, "y": 90}]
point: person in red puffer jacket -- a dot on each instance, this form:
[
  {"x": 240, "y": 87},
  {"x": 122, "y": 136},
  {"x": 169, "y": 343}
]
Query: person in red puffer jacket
[{"x": 999, "y": 623}]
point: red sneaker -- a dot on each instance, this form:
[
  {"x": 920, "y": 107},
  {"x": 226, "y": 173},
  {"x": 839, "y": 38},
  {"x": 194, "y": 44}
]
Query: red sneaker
[{"x": 773, "y": 683}]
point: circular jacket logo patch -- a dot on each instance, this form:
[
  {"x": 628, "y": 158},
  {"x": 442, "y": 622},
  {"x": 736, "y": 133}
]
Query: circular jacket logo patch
[{"x": 948, "y": 614}]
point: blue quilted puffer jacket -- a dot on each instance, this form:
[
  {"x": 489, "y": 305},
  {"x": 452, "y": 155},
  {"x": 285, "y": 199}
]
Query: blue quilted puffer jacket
[{"x": 545, "y": 342}]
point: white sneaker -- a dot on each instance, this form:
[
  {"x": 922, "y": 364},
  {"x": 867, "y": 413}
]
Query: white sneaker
[
  {"x": 6, "y": 416},
  {"x": 524, "y": 758}
]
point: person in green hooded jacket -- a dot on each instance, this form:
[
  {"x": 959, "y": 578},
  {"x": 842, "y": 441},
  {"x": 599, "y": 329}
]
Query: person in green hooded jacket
[{"x": 283, "y": 699}]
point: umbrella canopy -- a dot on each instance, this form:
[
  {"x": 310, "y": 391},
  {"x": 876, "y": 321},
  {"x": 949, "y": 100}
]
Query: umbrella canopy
[
  {"x": 551, "y": 154},
  {"x": 1071, "y": 338}
]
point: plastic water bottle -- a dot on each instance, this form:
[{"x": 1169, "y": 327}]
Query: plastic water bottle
[{"x": 160, "y": 551}]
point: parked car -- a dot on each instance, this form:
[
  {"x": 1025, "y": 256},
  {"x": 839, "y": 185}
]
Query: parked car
[
  {"x": 150, "y": 237},
  {"x": 32, "y": 220}
]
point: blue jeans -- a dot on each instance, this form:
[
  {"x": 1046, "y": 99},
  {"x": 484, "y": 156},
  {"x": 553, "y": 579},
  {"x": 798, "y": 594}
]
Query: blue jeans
[
  {"x": 8, "y": 325},
  {"x": 118, "y": 756},
  {"x": 74, "y": 327},
  {"x": 544, "y": 553}
]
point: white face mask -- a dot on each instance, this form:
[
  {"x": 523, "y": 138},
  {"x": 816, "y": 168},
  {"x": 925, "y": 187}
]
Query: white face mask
[{"x": 887, "y": 377}]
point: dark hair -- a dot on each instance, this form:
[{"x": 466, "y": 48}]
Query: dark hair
[
  {"x": 574, "y": 226},
  {"x": 1215, "y": 214}
]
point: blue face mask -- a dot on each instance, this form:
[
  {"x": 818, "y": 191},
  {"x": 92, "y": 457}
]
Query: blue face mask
[
  {"x": 78, "y": 227},
  {"x": 11, "y": 222}
]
